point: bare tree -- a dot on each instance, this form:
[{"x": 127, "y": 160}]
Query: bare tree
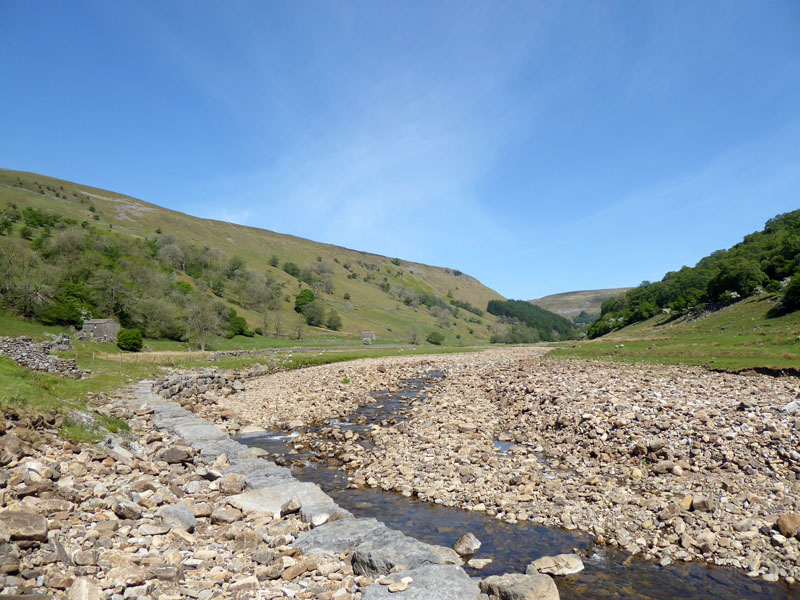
[{"x": 202, "y": 321}]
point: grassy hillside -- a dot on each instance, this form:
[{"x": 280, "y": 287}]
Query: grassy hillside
[
  {"x": 766, "y": 260},
  {"x": 390, "y": 296},
  {"x": 572, "y": 304},
  {"x": 738, "y": 337}
]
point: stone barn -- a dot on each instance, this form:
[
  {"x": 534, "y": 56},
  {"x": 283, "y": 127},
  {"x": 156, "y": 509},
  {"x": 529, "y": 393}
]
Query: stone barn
[{"x": 95, "y": 329}]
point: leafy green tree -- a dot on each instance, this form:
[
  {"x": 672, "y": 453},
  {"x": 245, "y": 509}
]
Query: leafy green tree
[
  {"x": 738, "y": 275},
  {"x": 790, "y": 301},
  {"x": 292, "y": 269},
  {"x": 130, "y": 340},
  {"x": 274, "y": 261},
  {"x": 334, "y": 321},
  {"x": 303, "y": 298},
  {"x": 314, "y": 312}
]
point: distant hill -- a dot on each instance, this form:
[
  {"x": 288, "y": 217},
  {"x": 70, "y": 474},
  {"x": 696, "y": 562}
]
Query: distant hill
[
  {"x": 572, "y": 304},
  {"x": 71, "y": 249}
]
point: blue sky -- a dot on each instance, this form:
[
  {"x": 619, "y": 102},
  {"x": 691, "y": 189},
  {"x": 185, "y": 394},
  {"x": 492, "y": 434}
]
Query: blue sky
[{"x": 541, "y": 147}]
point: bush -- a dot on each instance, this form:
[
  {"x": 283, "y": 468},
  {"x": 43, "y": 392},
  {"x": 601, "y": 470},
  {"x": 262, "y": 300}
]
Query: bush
[
  {"x": 259, "y": 331},
  {"x": 130, "y": 340},
  {"x": 435, "y": 338},
  {"x": 237, "y": 326}
]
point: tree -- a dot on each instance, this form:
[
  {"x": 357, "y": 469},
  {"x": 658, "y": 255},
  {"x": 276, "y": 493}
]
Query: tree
[
  {"x": 790, "y": 301},
  {"x": 314, "y": 313},
  {"x": 274, "y": 261},
  {"x": 303, "y": 298},
  {"x": 736, "y": 275},
  {"x": 334, "y": 321},
  {"x": 202, "y": 321},
  {"x": 299, "y": 326}
]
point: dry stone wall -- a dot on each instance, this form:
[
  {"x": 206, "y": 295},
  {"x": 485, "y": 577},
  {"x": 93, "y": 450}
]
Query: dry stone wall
[{"x": 37, "y": 355}]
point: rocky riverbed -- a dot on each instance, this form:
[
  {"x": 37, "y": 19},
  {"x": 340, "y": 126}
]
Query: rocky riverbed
[
  {"x": 667, "y": 463},
  {"x": 142, "y": 516}
]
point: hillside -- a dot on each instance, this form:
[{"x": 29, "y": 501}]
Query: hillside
[
  {"x": 571, "y": 304},
  {"x": 742, "y": 336},
  {"x": 116, "y": 236},
  {"x": 765, "y": 260}
]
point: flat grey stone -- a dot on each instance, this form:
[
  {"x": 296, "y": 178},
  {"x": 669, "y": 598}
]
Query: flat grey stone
[
  {"x": 178, "y": 516},
  {"x": 386, "y": 549},
  {"x": 319, "y": 514},
  {"x": 211, "y": 450},
  {"x": 337, "y": 536},
  {"x": 271, "y": 499},
  {"x": 200, "y": 432},
  {"x": 432, "y": 582}
]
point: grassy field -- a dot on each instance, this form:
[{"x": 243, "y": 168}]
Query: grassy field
[
  {"x": 737, "y": 338},
  {"x": 32, "y": 392}
]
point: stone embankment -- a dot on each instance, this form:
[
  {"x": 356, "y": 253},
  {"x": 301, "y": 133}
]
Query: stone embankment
[
  {"x": 37, "y": 355},
  {"x": 179, "y": 510},
  {"x": 668, "y": 463}
]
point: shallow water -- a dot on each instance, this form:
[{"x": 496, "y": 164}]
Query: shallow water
[{"x": 608, "y": 573}]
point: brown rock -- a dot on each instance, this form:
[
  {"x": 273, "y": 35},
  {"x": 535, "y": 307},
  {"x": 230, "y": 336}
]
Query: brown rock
[
  {"x": 788, "y": 524},
  {"x": 85, "y": 589},
  {"x": 24, "y": 526},
  {"x": 232, "y": 483},
  {"x": 295, "y": 571}
]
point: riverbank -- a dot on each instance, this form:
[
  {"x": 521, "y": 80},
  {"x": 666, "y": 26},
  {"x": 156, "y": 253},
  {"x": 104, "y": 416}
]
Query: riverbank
[
  {"x": 670, "y": 464},
  {"x": 142, "y": 516}
]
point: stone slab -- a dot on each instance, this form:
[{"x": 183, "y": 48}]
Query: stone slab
[{"x": 432, "y": 582}]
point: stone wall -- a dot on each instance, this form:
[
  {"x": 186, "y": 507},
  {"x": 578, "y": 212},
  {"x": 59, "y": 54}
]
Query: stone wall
[
  {"x": 37, "y": 355},
  {"x": 197, "y": 382}
]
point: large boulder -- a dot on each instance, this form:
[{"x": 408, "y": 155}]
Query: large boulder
[
  {"x": 271, "y": 499},
  {"x": 560, "y": 564},
  {"x": 388, "y": 549},
  {"x": 337, "y": 536},
  {"x": 516, "y": 586},
  {"x": 431, "y": 582}
]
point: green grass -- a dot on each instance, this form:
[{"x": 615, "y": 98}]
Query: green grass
[
  {"x": 13, "y": 326},
  {"x": 736, "y": 338},
  {"x": 30, "y": 391}
]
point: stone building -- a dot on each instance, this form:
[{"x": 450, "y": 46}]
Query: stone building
[{"x": 99, "y": 329}]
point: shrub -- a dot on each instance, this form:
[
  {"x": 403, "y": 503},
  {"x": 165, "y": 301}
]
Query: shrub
[
  {"x": 435, "y": 338},
  {"x": 259, "y": 331},
  {"x": 237, "y": 326},
  {"x": 130, "y": 340}
]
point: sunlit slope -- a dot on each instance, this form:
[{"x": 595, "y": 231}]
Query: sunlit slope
[{"x": 368, "y": 308}]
